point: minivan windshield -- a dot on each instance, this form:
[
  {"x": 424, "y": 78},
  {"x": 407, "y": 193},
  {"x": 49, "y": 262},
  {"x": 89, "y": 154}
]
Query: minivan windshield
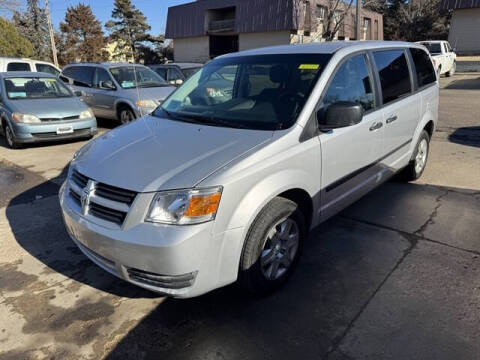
[
  {"x": 261, "y": 92},
  {"x": 433, "y": 48},
  {"x": 142, "y": 77},
  {"x": 35, "y": 88}
]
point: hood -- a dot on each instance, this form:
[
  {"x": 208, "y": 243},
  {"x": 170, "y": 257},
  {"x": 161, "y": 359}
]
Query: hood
[
  {"x": 154, "y": 154},
  {"x": 49, "y": 108},
  {"x": 153, "y": 93}
]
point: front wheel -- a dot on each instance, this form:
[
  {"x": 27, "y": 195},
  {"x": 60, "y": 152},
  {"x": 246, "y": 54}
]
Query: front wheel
[
  {"x": 12, "y": 144},
  {"x": 272, "y": 248},
  {"x": 125, "y": 115},
  {"x": 416, "y": 167}
]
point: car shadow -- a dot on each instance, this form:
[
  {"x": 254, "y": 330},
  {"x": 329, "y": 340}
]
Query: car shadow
[
  {"x": 466, "y": 136},
  {"x": 464, "y": 84},
  {"x": 35, "y": 220}
]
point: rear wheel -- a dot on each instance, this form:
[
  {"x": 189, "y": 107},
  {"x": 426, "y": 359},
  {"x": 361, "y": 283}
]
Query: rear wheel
[
  {"x": 125, "y": 115},
  {"x": 272, "y": 247},
  {"x": 416, "y": 167},
  {"x": 12, "y": 144},
  {"x": 452, "y": 69}
]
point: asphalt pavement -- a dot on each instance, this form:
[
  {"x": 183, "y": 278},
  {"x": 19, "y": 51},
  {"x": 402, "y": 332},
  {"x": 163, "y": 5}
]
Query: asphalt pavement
[{"x": 394, "y": 276}]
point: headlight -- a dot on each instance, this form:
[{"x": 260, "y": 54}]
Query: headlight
[
  {"x": 25, "y": 118},
  {"x": 86, "y": 114},
  {"x": 146, "y": 104},
  {"x": 183, "y": 207}
]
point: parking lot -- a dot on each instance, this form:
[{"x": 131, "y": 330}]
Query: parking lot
[{"x": 395, "y": 276}]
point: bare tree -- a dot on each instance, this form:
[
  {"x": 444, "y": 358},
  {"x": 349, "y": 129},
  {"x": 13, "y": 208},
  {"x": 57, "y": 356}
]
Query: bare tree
[
  {"x": 10, "y": 5},
  {"x": 335, "y": 12}
]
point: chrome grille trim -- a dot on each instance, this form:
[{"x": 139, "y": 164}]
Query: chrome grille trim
[{"x": 104, "y": 202}]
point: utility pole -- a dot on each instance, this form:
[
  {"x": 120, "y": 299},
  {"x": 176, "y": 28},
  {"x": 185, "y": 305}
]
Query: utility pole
[
  {"x": 52, "y": 36},
  {"x": 358, "y": 20}
]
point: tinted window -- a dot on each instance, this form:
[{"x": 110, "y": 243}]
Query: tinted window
[
  {"x": 18, "y": 66},
  {"x": 161, "y": 71},
  {"x": 351, "y": 83},
  {"x": 394, "y": 74},
  {"x": 433, "y": 48},
  {"x": 174, "y": 74},
  {"x": 47, "y": 69},
  {"x": 423, "y": 67},
  {"x": 100, "y": 76},
  {"x": 264, "y": 92},
  {"x": 82, "y": 75}
]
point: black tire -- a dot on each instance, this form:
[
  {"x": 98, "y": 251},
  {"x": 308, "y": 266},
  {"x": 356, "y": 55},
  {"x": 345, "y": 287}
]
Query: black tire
[
  {"x": 125, "y": 115},
  {"x": 412, "y": 172},
  {"x": 12, "y": 144},
  {"x": 252, "y": 275},
  {"x": 452, "y": 70}
]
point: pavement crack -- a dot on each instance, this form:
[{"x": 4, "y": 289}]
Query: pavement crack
[
  {"x": 432, "y": 216},
  {"x": 412, "y": 240}
]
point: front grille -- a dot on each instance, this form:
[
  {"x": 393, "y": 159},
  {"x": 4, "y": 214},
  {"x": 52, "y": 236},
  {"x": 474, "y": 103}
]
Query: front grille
[
  {"x": 115, "y": 194},
  {"x": 162, "y": 281},
  {"x": 79, "y": 179},
  {"x": 75, "y": 117},
  {"x": 107, "y": 214},
  {"x": 76, "y": 197},
  {"x": 102, "y": 201}
]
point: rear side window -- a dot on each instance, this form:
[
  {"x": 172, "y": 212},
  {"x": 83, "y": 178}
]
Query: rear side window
[
  {"x": 47, "y": 69},
  {"x": 82, "y": 75},
  {"x": 18, "y": 66},
  {"x": 351, "y": 83},
  {"x": 423, "y": 67},
  {"x": 394, "y": 74},
  {"x": 162, "y": 72}
]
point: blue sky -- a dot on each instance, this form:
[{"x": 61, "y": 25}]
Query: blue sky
[{"x": 154, "y": 10}]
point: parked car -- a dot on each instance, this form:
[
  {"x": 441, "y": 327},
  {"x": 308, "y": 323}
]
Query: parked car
[
  {"x": 38, "y": 107},
  {"x": 176, "y": 73},
  {"x": 117, "y": 91},
  {"x": 211, "y": 189},
  {"x": 22, "y": 64},
  {"x": 444, "y": 57}
]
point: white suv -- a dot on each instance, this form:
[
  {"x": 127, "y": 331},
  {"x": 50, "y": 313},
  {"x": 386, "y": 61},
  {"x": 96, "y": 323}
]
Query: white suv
[{"x": 225, "y": 179}]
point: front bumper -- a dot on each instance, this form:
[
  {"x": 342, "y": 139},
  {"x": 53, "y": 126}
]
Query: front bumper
[
  {"x": 178, "y": 261},
  {"x": 30, "y": 133}
]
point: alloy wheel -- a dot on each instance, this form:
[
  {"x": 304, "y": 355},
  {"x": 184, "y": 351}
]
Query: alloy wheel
[
  {"x": 421, "y": 157},
  {"x": 280, "y": 248}
]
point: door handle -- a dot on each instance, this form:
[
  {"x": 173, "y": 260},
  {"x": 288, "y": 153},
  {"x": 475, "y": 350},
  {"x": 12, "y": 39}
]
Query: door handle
[
  {"x": 391, "y": 119},
  {"x": 376, "y": 126}
]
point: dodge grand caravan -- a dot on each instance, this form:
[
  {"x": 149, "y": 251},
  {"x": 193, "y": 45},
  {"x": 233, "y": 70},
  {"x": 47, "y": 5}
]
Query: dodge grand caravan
[{"x": 223, "y": 181}]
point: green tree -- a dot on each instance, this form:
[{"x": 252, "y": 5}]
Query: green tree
[
  {"x": 81, "y": 36},
  {"x": 32, "y": 24},
  {"x": 128, "y": 29},
  {"x": 11, "y": 42},
  {"x": 411, "y": 20}
]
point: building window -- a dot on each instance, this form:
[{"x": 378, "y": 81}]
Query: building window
[
  {"x": 339, "y": 20},
  {"x": 367, "y": 26},
  {"x": 375, "y": 29},
  {"x": 321, "y": 12}
]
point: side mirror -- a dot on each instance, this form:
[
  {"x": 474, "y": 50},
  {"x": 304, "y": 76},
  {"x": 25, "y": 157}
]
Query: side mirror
[
  {"x": 79, "y": 93},
  {"x": 107, "y": 85},
  {"x": 178, "y": 82},
  {"x": 339, "y": 114}
]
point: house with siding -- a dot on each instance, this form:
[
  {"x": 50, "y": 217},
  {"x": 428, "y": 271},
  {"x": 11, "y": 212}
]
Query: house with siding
[
  {"x": 464, "y": 26},
  {"x": 204, "y": 29}
]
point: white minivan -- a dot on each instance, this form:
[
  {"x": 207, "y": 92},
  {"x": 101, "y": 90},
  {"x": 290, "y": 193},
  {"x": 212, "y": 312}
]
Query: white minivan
[
  {"x": 224, "y": 180},
  {"x": 23, "y": 64}
]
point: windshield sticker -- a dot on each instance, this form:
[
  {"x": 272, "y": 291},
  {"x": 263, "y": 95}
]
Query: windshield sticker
[
  {"x": 308, "y": 66},
  {"x": 17, "y": 94},
  {"x": 127, "y": 84}
]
